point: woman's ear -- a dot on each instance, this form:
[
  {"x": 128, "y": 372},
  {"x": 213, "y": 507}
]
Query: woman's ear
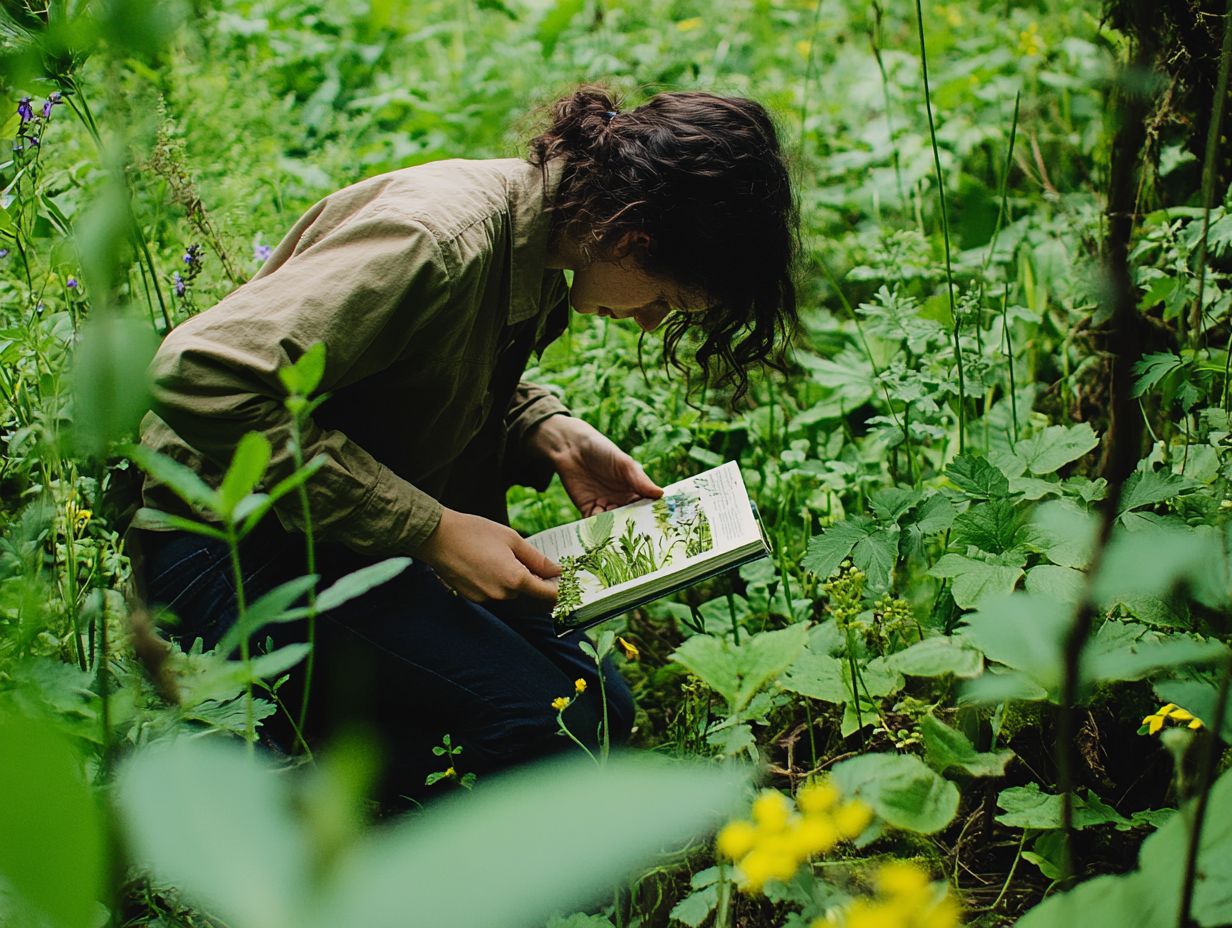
[{"x": 632, "y": 244}]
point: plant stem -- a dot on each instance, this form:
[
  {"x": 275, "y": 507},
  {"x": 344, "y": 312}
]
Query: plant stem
[
  {"x": 310, "y": 554},
  {"x": 1208, "y": 174},
  {"x": 945, "y": 233},
  {"x": 237, "y": 573},
  {"x": 1009, "y": 877}
]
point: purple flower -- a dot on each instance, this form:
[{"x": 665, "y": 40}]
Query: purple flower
[
  {"x": 4, "y": 252},
  {"x": 47, "y": 109},
  {"x": 25, "y": 110},
  {"x": 262, "y": 252},
  {"x": 180, "y": 285},
  {"x": 192, "y": 257},
  {"x": 71, "y": 283}
]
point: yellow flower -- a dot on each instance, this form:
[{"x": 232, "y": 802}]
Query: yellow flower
[
  {"x": 629, "y": 649},
  {"x": 903, "y": 880},
  {"x": 763, "y": 864},
  {"x": 76, "y": 518},
  {"x": 805, "y": 48},
  {"x": 817, "y": 797},
  {"x": 1029, "y": 43},
  {"x": 814, "y": 834},
  {"x": 686, "y": 25},
  {"x": 945, "y": 914},
  {"x": 560, "y": 703},
  {"x": 771, "y": 811},
  {"x": 1156, "y": 720},
  {"x": 866, "y": 914},
  {"x": 736, "y": 839},
  {"x": 579, "y": 685},
  {"x": 450, "y": 773},
  {"x": 852, "y": 817}
]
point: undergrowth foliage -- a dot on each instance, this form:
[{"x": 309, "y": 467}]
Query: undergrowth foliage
[{"x": 983, "y": 679}]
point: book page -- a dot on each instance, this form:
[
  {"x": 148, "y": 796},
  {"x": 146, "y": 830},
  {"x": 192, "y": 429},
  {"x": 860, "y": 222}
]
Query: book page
[{"x": 696, "y": 519}]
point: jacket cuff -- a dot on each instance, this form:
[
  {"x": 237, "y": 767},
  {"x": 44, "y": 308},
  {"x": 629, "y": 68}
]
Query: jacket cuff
[{"x": 395, "y": 518}]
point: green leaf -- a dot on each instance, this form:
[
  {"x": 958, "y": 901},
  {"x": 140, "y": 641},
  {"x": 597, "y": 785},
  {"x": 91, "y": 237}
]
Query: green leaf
[
  {"x": 247, "y": 467},
  {"x": 977, "y": 477},
  {"x": 266, "y": 501},
  {"x": 974, "y": 580},
  {"x": 269, "y": 608},
  {"x": 696, "y": 907},
  {"x": 1064, "y": 584},
  {"x": 516, "y": 833},
  {"x": 1023, "y": 631},
  {"x": 938, "y": 656},
  {"x": 360, "y": 582},
  {"x": 111, "y": 391},
  {"x": 1153, "y": 368},
  {"x": 215, "y": 823},
  {"x": 829, "y": 549},
  {"x": 1051, "y": 449},
  {"x": 945, "y": 747},
  {"x": 52, "y": 851},
  {"x": 181, "y": 480},
  {"x": 900, "y": 789},
  {"x": 1151, "y": 487},
  {"x": 1199, "y": 697},
  {"x": 1151, "y": 561},
  {"x": 269, "y": 665},
  {"x": 1129, "y": 651},
  {"x": 1030, "y": 807},
  {"x": 890, "y": 504},
  {"x": 738, "y": 673},
  {"x": 1064, "y": 533},
  {"x": 304, "y": 376},
  {"x": 819, "y": 676},
  {"x": 169, "y": 520},
  {"x": 995, "y": 527}
]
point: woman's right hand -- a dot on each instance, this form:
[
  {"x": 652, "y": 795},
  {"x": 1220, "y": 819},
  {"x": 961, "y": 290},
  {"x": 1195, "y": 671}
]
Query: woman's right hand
[{"x": 482, "y": 559}]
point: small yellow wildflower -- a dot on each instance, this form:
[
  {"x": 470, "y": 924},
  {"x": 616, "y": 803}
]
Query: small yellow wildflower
[
  {"x": 905, "y": 898},
  {"x": 1029, "y": 43},
  {"x": 851, "y": 818},
  {"x": 903, "y": 880},
  {"x": 1155, "y": 721},
  {"x": 450, "y": 773},
  {"x": 629, "y": 648},
  {"x": 805, "y": 48},
  {"x": 817, "y": 797},
  {"x": 579, "y": 685},
  {"x": 687, "y": 25},
  {"x": 560, "y": 703},
  {"x": 76, "y": 518},
  {"x": 952, "y": 15},
  {"x": 771, "y": 811},
  {"x": 736, "y": 839},
  {"x": 815, "y": 834}
]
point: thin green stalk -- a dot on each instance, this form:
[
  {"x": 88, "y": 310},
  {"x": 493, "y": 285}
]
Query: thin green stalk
[
  {"x": 874, "y": 38},
  {"x": 1009, "y": 360},
  {"x": 572, "y": 737},
  {"x": 310, "y": 553},
  {"x": 808, "y": 71},
  {"x": 1009, "y": 877},
  {"x": 1208, "y": 173},
  {"x": 241, "y": 607},
  {"x": 1003, "y": 207},
  {"x": 722, "y": 917},
  {"x": 945, "y": 232},
  {"x": 605, "y": 743}
]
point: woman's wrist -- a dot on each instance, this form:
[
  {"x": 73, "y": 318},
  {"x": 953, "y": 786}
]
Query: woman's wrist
[{"x": 553, "y": 438}]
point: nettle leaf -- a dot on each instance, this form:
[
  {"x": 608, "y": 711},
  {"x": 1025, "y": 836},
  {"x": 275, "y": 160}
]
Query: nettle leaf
[
  {"x": 1030, "y": 807},
  {"x": 819, "y": 676},
  {"x": 995, "y": 527},
  {"x": 974, "y": 580},
  {"x": 935, "y": 514},
  {"x": 1151, "y": 487},
  {"x": 946, "y": 748},
  {"x": 938, "y": 656},
  {"x": 890, "y": 504},
  {"x": 1051, "y": 449},
  {"x": 901, "y": 789},
  {"x": 738, "y": 673},
  {"x": 872, "y": 547},
  {"x": 1153, "y": 368},
  {"x": 1151, "y": 561},
  {"x": 1023, "y": 631},
  {"x": 978, "y": 477}
]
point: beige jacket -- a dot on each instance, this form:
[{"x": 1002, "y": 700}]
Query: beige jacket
[{"x": 428, "y": 287}]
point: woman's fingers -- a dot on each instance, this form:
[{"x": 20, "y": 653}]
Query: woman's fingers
[{"x": 641, "y": 484}]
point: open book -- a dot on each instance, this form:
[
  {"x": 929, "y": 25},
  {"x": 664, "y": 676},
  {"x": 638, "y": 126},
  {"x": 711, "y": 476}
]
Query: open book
[{"x": 616, "y": 560}]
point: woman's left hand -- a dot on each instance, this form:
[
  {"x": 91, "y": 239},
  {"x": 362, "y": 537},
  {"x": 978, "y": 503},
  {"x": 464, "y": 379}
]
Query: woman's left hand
[{"x": 596, "y": 474}]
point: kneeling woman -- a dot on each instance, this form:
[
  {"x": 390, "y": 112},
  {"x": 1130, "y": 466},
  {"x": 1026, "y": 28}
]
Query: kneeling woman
[{"x": 431, "y": 287}]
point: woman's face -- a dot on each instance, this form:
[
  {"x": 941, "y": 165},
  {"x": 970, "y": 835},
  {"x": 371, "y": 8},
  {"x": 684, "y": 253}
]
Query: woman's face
[{"x": 621, "y": 290}]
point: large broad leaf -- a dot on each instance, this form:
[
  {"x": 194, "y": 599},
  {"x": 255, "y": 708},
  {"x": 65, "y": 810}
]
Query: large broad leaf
[
  {"x": 977, "y": 477},
  {"x": 995, "y": 526},
  {"x": 1151, "y": 561},
  {"x": 974, "y": 580},
  {"x": 1064, "y": 584},
  {"x": 946, "y": 748},
  {"x": 1130, "y": 651},
  {"x": 1030, "y": 807},
  {"x": 737, "y": 673},
  {"x": 1149, "y": 487},
  {"x": 51, "y": 829},
  {"x": 1054, "y": 447},
  {"x": 1023, "y": 631},
  {"x": 900, "y": 789},
  {"x": 111, "y": 391},
  {"x": 550, "y": 838},
  {"x": 1150, "y": 896},
  {"x": 936, "y": 657},
  {"x": 819, "y": 676},
  {"x": 1064, "y": 533},
  {"x": 216, "y": 824}
]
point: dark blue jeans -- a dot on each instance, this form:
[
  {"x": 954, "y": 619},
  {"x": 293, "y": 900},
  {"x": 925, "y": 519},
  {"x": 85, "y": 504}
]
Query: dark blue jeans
[{"x": 406, "y": 662}]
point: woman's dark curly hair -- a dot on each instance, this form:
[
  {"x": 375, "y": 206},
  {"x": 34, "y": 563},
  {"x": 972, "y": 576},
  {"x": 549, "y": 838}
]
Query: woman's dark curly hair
[{"x": 701, "y": 182}]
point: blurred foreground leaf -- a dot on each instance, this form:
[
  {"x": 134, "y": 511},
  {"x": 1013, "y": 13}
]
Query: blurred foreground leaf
[{"x": 110, "y": 389}]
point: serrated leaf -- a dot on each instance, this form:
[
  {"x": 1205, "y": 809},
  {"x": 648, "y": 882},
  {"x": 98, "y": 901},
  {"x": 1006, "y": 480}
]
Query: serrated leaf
[
  {"x": 1151, "y": 487},
  {"x": 977, "y": 477},
  {"x": 1049, "y": 450},
  {"x": 827, "y": 550},
  {"x": 738, "y": 673},
  {"x": 901, "y": 790},
  {"x": 995, "y": 527},
  {"x": 974, "y": 580},
  {"x": 1030, "y": 807}
]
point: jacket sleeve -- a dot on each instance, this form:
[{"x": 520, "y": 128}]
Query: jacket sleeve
[
  {"x": 364, "y": 284},
  {"x": 530, "y": 405}
]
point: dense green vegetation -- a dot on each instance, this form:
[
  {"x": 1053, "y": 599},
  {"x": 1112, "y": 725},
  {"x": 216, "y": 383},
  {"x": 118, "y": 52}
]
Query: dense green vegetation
[{"x": 994, "y": 634}]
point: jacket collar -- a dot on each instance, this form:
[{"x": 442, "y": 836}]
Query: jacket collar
[{"x": 530, "y": 224}]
